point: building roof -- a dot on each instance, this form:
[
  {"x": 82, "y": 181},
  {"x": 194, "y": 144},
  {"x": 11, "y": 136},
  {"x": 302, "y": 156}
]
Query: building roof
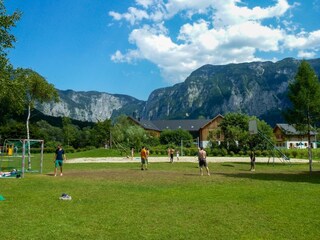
[
  {"x": 185, "y": 124},
  {"x": 149, "y": 125},
  {"x": 213, "y": 119},
  {"x": 290, "y": 129},
  {"x": 146, "y": 124}
]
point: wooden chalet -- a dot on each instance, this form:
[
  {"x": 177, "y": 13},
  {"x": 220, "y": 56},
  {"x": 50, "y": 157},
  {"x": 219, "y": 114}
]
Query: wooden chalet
[
  {"x": 288, "y": 137},
  {"x": 198, "y": 128}
]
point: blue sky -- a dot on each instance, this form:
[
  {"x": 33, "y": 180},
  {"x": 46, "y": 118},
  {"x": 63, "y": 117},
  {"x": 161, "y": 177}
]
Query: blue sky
[{"x": 133, "y": 47}]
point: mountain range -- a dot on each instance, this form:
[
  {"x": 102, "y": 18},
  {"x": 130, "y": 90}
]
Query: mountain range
[{"x": 255, "y": 88}]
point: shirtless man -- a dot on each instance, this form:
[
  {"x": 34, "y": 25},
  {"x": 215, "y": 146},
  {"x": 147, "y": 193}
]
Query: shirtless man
[{"x": 203, "y": 161}]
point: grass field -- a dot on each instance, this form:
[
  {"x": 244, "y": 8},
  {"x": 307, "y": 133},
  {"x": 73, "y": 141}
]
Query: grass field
[{"x": 169, "y": 201}]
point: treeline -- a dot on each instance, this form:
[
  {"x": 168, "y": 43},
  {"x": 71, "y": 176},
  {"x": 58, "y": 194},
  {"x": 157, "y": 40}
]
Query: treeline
[{"x": 123, "y": 134}]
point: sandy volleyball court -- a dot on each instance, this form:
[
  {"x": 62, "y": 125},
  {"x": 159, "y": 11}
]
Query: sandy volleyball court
[{"x": 182, "y": 159}]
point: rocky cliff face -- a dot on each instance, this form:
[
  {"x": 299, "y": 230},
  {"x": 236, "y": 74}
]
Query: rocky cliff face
[
  {"x": 91, "y": 106},
  {"x": 257, "y": 88}
]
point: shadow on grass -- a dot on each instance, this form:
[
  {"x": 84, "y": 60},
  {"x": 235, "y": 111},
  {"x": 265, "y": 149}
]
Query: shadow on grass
[
  {"x": 227, "y": 165},
  {"x": 307, "y": 177},
  {"x": 191, "y": 174}
]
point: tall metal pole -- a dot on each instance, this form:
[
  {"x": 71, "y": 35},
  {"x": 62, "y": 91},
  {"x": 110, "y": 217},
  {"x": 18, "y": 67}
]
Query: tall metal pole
[
  {"x": 181, "y": 145},
  {"x": 110, "y": 140},
  {"x": 41, "y": 158},
  {"x": 23, "y": 156}
]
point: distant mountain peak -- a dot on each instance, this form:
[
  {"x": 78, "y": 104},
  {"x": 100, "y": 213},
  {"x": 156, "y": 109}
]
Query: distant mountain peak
[{"x": 256, "y": 88}]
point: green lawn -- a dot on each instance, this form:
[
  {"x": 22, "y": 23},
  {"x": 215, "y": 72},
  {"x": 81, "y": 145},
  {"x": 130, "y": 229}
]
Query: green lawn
[{"x": 169, "y": 201}]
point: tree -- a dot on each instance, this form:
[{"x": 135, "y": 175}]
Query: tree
[
  {"x": 6, "y": 38},
  {"x": 234, "y": 128},
  {"x": 304, "y": 94},
  {"x": 8, "y": 87},
  {"x": 43, "y": 130},
  {"x": 174, "y": 137},
  {"x": 101, "y": 133},
  {"x": 69, "y": 130},
  {"x": 33, "y": 88},
  {"x": 125, "y": 135}
]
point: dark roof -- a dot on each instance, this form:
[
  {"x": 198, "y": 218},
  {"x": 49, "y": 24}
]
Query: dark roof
[
  {"x": 146, "y": 124},
  {"x": 185, "y": 124},
  {"x": 290, "y": 129}
]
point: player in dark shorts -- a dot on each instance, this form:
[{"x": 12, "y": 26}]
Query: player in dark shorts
[
  {"x": 203, "y": 161},
  {"x": 252, "y": 161}
]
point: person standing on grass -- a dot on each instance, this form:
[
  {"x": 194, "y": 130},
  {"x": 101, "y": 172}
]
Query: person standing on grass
[
  {"x": 171, "y": 154},
  {"x": 132, "y": 153},
  {"x": 203, "y": 161},
  {"x": 252, "y": 160},
  {"x": 58, "y": 159},
  {"x": 143, "y": 155}
]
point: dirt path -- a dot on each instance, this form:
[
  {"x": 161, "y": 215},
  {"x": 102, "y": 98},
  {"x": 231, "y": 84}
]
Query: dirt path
[{"x": 181, "y": 159}]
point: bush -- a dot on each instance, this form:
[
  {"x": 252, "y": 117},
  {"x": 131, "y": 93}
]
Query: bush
[
  {"x": 241, "y": 153},
  {"x": 224, "y": 152},
  {"x": 49, "y": 150},
  {"x": 186, "y": 152},
  {"x": 87, "y": 148},
  {"x": 303, "y": 153},
  {"x": 221, "y": 152},
  {"x": 294, "y": 153},
  {"x": 317, "y": 153},
  {"x": 265, "y": 153},
  {"x": 69, "y": 150},
  {"x": 258, "y": 153}
]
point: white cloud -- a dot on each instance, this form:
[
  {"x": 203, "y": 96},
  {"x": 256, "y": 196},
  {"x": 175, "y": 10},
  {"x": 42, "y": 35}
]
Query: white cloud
[
  {"x": 144, "y": 3},
  {"x": 133, "y": 15},
  {"x": 254, "y": 35},
  {"x": 216, "y": 32},
  {"x": 303, "y": 54},
  {"x": 129, "y": 57},
  {"x": 229, "y": 13},
  {"x": 304, "y": 40}
]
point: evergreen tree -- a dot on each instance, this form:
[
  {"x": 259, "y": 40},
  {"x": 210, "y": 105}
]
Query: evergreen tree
[{"x": 304, "y": 94}]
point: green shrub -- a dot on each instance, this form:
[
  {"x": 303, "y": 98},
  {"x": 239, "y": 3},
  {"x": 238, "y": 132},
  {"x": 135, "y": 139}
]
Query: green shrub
[
  {"x": 304, "y": 153},
  {"x": 294, "y": 153},
  {"x": 69, "y": 150},
  {"x": 223, "y": 152},
  {"x": 49, "y": 150},
  {"x": 258, "y": 153},
  {"x": 87, "y": 148},
  {"x": 264, "y": 153}
]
